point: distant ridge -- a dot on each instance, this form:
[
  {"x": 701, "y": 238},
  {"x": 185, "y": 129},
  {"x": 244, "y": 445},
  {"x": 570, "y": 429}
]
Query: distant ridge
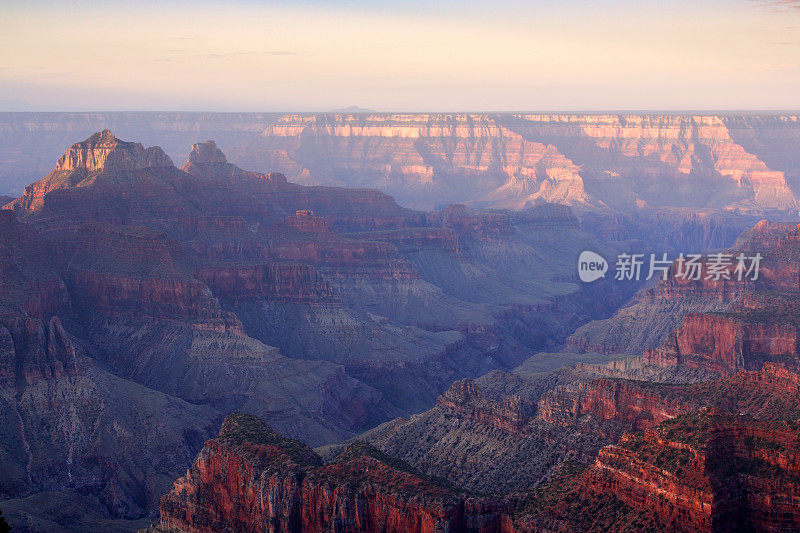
[{"x": 352, "y": 109}]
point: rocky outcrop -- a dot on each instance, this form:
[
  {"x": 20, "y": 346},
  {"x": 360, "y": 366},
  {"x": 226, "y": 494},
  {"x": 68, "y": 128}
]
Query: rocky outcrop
[
  {"x": 622, "y": 402},
  {"x": 706, "y": 472},
  {"x": 465, "y": 399},
  {"x": 80, "y": 164},
  {"x": 103, "y": 151},
  {"x": 285, "y": 282},
  {"x": 251, "y": 479},
  {"x": 205, "y": 152},
  {"x": 726, "y": 343}
]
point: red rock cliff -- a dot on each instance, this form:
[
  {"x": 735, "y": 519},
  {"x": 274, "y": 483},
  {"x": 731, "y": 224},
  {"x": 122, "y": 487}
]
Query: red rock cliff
[{"x": 251, "y": 479}]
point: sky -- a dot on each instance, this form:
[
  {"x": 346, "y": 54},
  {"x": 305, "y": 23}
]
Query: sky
[{"x": 505, "y": 55}]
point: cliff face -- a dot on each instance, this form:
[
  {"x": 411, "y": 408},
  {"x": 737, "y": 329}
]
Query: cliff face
[
  {"x": 283, "y": 282},
  {"x": 433, "y": 153},
  {"x": 706, "y": 472},
  {"x": 205, "y": 152},
  {"x": 610, "y": 400},
  {"x": 745, "y": 323},
  {"x": 252, "y": 479},
  {"x": 754, "y": 317},
  {"x": 670, "y": 152},
  {"x": 723, "y": 454},
  {"x": 623, "y": 161},
  {"x": 465, "y": 399},
  {"x": 71, "y": 426},
  {"x": 726, "y": 343},
  {"x": 725, "y": 457}
]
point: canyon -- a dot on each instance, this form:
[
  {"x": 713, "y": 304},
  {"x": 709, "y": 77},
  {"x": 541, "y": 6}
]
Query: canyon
[
  {"x": 699, "y": 434},
  {"x": 194, "y": 292},
  {"x": 204, "y": 347}
]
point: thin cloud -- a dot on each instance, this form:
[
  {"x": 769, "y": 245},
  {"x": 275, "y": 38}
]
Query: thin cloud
[
  {"x": 223, "y": 55},
  {"x": 779, "y": 5},
  {"x": 235, "y": 54}
]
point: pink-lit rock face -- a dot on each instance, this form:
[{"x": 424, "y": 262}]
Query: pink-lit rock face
[
  {"x": 664, "y": 147},
  {"x": 624, "y": 161},
  {"x": 80, "y": 164},
  {"x": 205, "y": 152},
  {"x": 104, "y": 151},
  {"x": 499, "y": 166}
]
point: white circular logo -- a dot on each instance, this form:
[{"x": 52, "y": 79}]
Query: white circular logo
[{"x": 591, "y": 266}]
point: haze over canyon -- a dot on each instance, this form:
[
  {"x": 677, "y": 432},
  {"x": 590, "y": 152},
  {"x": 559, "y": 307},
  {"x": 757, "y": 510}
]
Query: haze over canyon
[
  {"x": 619, "y": 162},
  {"x": 374, "y": 322}
]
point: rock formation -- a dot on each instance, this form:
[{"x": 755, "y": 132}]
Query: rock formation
[
  {"x": 598, "y": 161},
  {"x": 129, "y": 283},
  {"x": 251, "y": 479},
  {"x": 707, "y": 457}
]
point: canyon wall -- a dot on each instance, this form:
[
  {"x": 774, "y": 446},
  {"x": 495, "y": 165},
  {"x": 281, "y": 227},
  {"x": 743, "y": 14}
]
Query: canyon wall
[
  {"x": 624, "y": 161},
  {"x": 595, "y": 161}
]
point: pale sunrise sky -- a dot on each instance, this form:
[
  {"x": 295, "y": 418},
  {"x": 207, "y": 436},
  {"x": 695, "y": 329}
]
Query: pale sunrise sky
[{"x": 405, "y": 55}]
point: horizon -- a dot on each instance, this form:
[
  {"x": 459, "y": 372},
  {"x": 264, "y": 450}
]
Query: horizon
[{"x": 553, "y": 111}]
